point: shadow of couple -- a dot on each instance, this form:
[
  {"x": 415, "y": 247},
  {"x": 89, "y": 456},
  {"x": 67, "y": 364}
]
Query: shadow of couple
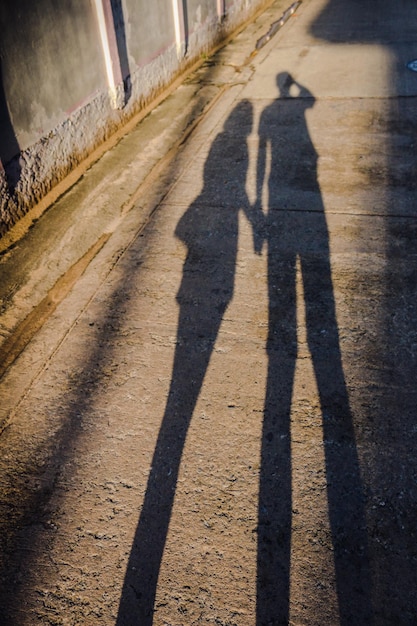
[{"x": 293, "y": 227}]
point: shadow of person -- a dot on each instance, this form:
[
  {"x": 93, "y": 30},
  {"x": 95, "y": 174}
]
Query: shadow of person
[
  {"x": 209, "y": 229},
  {"x": 9, "y": 146},
  {"x": 296, "y": 232}
]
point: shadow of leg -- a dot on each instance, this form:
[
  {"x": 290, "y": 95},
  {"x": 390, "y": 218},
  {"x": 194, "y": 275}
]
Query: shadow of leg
[
  {"x": 274, "y": 530},
  {"x": 197, "y": 332},
  {"x": 344, "y": 484}
]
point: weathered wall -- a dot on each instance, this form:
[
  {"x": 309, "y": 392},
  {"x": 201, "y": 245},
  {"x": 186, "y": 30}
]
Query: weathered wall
[
  {"x": 156, "y": 28},
  {"x": 57, "y": 103}
]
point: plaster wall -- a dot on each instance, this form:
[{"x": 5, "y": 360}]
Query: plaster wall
[{"x": 56, "y": 102}]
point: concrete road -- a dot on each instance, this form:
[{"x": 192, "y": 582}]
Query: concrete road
[{"x": 218, "y": 422}]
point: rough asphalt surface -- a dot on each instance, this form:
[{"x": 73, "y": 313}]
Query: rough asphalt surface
[{"x": 226, "y": 431}]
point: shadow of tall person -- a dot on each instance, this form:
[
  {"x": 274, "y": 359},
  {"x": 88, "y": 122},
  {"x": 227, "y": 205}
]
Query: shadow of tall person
[
  {"x": 209, "y": 229},
  {"x": 296, "y": 232}
]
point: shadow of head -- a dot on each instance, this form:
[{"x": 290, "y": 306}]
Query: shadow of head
[
  {"x": 240, "y": 119},
  {"x": 284, "y": 84}
]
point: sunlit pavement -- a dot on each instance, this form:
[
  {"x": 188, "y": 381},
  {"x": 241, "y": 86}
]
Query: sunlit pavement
[{"x": 218, "y": 423}]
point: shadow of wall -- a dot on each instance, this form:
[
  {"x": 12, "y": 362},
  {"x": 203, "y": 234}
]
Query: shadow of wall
[
  {"x": 385, "y": 402},
  {"x": 9, "y": 146}
]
